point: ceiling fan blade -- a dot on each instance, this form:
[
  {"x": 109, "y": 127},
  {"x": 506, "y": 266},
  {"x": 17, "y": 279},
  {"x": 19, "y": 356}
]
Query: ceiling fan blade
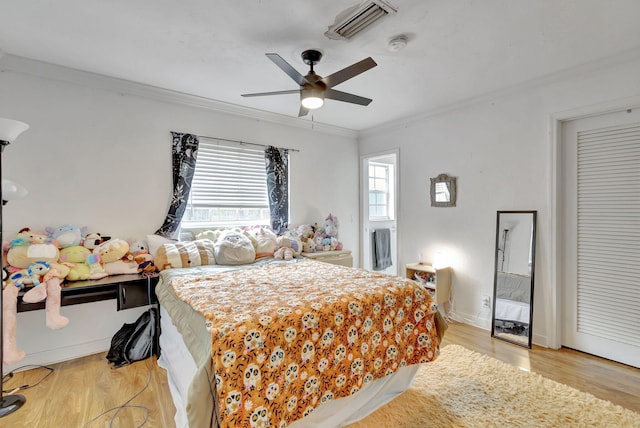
[
  {"x": 261, "y": 94},
  {"x": 303, "y": 111},
  {"x": 348, "y": 72},
  {"x": 346, "y": 97},
  {"x": 287, "y": 68}
]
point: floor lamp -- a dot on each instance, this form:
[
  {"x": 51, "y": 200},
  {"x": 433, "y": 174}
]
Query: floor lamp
[{"x": 9, "y": 131}]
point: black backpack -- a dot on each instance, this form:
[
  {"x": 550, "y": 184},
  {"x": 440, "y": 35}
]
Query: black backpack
[{"x": 136, "y": 341}]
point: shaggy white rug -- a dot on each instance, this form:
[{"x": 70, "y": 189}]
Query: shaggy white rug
[{"x": 464, "y": 389}]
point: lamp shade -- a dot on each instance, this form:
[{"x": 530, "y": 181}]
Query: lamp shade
[
  {"x": 10, "y": 129},
  {"x": 312, "y": 98},
  {"x": 12, "y": 190}
]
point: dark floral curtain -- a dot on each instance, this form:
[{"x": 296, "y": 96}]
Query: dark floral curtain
[
  {"x": 277, "y": 163},
  {"x": 184, "y": 153}
]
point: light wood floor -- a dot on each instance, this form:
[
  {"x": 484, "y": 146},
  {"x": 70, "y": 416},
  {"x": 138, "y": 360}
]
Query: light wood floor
[{"x": 81, "y": 389}]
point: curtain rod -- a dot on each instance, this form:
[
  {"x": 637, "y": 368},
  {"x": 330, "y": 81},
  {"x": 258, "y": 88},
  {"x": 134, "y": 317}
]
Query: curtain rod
[{"x": 244, "y": 142}]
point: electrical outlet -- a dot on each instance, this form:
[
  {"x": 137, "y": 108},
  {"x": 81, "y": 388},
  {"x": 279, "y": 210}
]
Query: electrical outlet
[{"x": 486, "y": 301}]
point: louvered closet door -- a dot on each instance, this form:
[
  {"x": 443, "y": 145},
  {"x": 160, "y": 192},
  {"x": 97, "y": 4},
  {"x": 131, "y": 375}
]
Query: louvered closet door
[{"x": 600, "y": 227}]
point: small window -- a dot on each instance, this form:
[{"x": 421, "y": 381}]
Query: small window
[
  {"x": 380, "y": 196},
  {"x": 229, "y": 187}
]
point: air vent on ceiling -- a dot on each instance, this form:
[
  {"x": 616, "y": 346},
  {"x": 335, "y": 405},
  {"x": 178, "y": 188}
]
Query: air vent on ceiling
[{"x": 357, "y": 18}]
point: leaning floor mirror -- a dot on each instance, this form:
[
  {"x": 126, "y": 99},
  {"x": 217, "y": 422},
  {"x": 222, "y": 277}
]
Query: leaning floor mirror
[{"x": 513, "y": 277}]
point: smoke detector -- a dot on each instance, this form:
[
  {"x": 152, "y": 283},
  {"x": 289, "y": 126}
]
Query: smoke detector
[
  {"x": 357, "y": 18},
  {"x": 397, "y": 43}
]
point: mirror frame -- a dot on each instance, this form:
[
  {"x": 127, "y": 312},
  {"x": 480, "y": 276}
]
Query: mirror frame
[
  {"x": 495, "y": 276},
  {"x": 451, "y": 184}
]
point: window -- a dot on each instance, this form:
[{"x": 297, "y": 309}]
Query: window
[
  {"x": 229, "y": 186},
  {"x": 380, "y": 188}
]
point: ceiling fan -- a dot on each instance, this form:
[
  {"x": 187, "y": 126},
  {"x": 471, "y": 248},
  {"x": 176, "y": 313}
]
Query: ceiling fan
[{"x": 314, "y": 88}]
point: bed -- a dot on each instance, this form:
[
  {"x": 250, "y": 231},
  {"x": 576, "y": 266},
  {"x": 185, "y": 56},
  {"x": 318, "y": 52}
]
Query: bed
[
  {"x": 296, "y": 343},
  {"x": 513, "y": 297}
]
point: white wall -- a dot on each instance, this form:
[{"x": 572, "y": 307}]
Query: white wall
[
  {"x": 97, "y": 156},
  {"x": 499, "y": 147}
]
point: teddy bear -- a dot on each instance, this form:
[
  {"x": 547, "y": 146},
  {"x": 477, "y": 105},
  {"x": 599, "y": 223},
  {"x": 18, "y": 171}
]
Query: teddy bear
[
  {"x": 141, "y": 256},
  {"x": 284, "y": 250}
]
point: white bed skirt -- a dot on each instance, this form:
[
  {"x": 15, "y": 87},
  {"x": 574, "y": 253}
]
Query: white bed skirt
[
  {"x": 180, "y": 367},
  {"x": 511, "y": 310}
]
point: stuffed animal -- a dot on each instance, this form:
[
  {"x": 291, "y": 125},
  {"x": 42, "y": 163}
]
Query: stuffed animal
[
  {"x": 266, "y": 242},
  {"x": 83, "y": 264},
  {"x": 142, "y": 257},
  {"x": 66, "y": 235},
  {"x": 284, "y": 250},
  {"x": 27, "y": 237},
  {"x": 116, "y": 257},
  {"x": 92, "y": 240},
  {"x": 331, "y": 226},
  {"x": 331, "y": 231},
  {"x": 112, "y": 250},
  {"x": 212, "y": 235},
  {"x": 29, "y": 276},
  {"x": 48, "y": 288}
]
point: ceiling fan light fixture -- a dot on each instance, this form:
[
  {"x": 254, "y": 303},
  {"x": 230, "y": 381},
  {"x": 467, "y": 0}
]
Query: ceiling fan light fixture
[{"x": 312, "y": 98}]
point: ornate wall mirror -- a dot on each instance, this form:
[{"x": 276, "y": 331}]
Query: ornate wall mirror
[
  {"x": 512, "y": 312},
  {"x": 443, "y": 191}
]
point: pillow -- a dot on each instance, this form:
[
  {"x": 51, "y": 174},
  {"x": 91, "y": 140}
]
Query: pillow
[
  {"x": 185, "y": 254},
  {"x": 155, "y": 241},
  {"x": 234, "y": 248}
]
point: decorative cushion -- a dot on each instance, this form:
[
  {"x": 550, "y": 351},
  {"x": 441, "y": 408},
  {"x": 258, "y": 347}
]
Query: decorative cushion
[
  {"x": 233, "y": 248},
  {"x": 185, "y": 254}
]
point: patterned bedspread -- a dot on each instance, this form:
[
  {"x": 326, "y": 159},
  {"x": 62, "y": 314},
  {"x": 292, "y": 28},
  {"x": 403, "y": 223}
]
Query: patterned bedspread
[{"x": 289, "y": 337}]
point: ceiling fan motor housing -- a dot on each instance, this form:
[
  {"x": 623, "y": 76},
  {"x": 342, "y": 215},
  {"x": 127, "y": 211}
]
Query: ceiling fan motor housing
[{"x": 311, "y": 57}]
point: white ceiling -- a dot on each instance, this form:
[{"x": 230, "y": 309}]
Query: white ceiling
[{"x": 458, "y": 49}]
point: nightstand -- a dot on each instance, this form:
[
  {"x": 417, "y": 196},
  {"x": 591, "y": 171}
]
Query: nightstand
[
  {"x": 438, "y": 281},
  {"x": 337, "y": 257}
]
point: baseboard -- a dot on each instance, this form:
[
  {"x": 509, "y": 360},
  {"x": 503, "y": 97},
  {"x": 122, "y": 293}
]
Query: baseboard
[
  {"x": 57, "y": 355},
  {"x": 474, "y": 320},
  {"x": 485, "y": 324}
]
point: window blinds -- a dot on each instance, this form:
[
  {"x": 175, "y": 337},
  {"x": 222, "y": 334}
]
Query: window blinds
[
  {"x": 229, "y": 175},
  {"x": 608, "y": 296}
]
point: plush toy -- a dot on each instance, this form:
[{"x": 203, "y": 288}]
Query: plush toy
[
  {"x": 266, "y": 242},
  {"x": 142, "y": 257},
  {"x": 112, "y": 250},
  {"x": 29, "y": 276},
  {"x": 116, "y": 257},
  {"x": 27, "y": 237},
  {"x": 305, "y": 231},
  {"x": 212, "y": 235},
  {"x": 331, "y": 231},
  {"x": 284, "y": 250},
  {"x": 74, "y": 254},
  {"x": 66, "y": 235},
  {"x": 83, "y": 264},
  {"x": 29, "y": 247},
  {"x": 308, "y": 246},
  {"x": 331, "y": 226},
  {"x": 318, "y": 240},
  {"x": 92, "y": 240},
  {"x": 48, "y": 288}
]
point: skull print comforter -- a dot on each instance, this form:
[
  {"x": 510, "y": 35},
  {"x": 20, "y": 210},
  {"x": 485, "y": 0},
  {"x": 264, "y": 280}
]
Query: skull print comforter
[{"x": 288, "y": 337}]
